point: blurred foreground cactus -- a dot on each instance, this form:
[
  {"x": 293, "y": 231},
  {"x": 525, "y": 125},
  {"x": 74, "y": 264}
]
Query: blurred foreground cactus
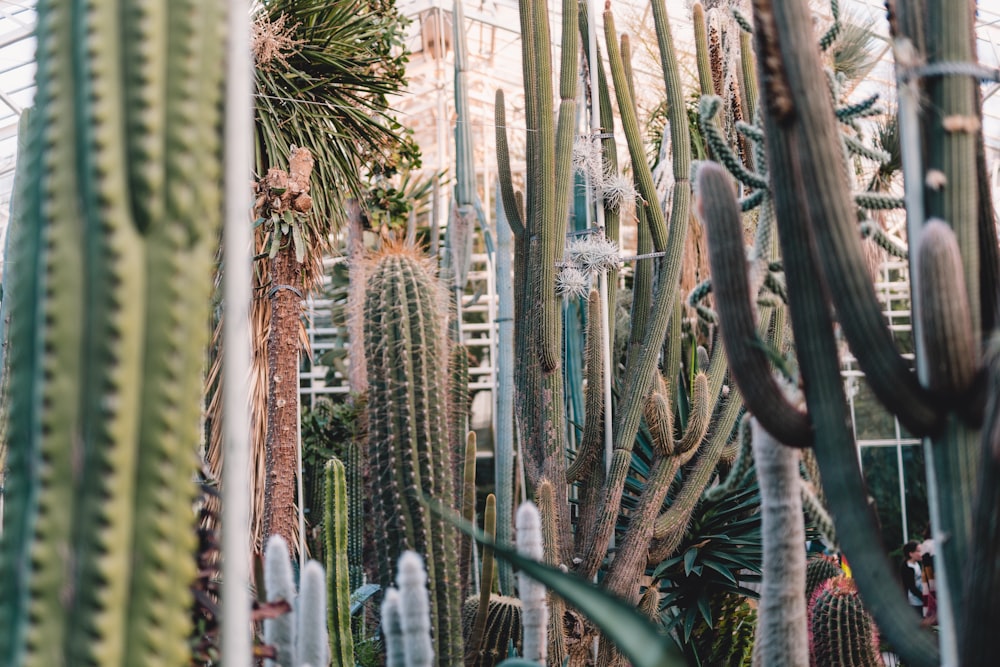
[
  {"x": 954, "y": 269},
  {"x": 110, "y": 281},
  {"x": 299, "y": 637}
]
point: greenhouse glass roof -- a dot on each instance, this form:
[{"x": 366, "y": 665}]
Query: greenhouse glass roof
[{"x": 492, "y": 31}]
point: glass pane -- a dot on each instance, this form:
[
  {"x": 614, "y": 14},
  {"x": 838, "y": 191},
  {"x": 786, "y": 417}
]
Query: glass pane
[
  {"x": 914, "y": 478},
  {"x": 881, "y": 472},
  {"x": 871, "y": 420}
]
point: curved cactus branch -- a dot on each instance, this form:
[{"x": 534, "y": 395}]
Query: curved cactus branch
[{"x": 749, "y": 363}]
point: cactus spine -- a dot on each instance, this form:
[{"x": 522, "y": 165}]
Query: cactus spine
[
  {"x": 337, "y": 565},
  {"x": 115, "y": 250},
  {"x": 405, "y": 350}
]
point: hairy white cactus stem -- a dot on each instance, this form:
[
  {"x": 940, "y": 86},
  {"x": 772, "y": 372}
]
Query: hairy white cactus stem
[
  {"x": 534, "y": 607},
  {"x": 572, "y": 282},
  {"x": 279, "y": 632},
  {"x": 415, "y": 610},
  {"x": 392, "y": 630},
  {"x": 312, "y": 645},
  {"x": 593, "y": 252},
  {"x": 782, "y": 638}
]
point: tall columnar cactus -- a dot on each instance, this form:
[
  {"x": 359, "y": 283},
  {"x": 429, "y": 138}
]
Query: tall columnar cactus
[
  {"x": 825, "y": 272},
  {"x": 841, "y": 632},
  {"x": 110, "y": 283},
  {"x": 534, "y": 607},
  {"x": 279, "y": 584},
  {"x": 781, "y": 616},
  {"x": 404, "y": 317},
  {"x": 336, "y": 530}
]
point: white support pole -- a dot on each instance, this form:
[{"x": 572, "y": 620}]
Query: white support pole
[{"x": 236, "y": 624}]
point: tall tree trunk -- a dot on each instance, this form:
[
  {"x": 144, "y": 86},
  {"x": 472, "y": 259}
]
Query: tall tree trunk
[{"x": 281, "y": 193}]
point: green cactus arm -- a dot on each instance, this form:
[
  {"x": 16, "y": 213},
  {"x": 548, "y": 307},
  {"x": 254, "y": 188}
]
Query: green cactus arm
[
  {"x": 989, "y": 244},
  {"x": 589, "y": 454},
  {"x": 951, "y": 131},
  {"x": 23, "y": 299},
  {"x": 511, "y": 208},
  {"x": 467, "y": 501},
  {"x": 749, "y": 364},
  {"x": 792, "y": 63},
  {"x": 672, "y": 348},
  {"x": 642, "y": 282},
  {"x": 748, "y": 78},
  {"x": 630, "y": 124},
  {"x": 946, "y": 321},
  {"x": 474, "y": 643},
  {"x": 336, "y": 534},
  {"x": 701, "y": 49},
  {"x": 700, "y": 417}
]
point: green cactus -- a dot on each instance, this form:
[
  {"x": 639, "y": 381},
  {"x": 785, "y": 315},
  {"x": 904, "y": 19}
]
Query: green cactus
[
  {"x": 819, "y": 568},
  {"x": 841, "y": 632},
  {"x": 114, "y": 256},
  {"x": 337, "y": 531},
  {"x": 501, "y": 628},
  {"x": 405, "y": 350}
]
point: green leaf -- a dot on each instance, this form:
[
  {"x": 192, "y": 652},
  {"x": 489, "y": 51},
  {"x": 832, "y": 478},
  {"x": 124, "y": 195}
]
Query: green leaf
[
  {"x": 361, "y": 595},
  {"x": 634, "y": 634},
  {"x": 689, "y": 558},
  {"x": 706, "y": 611},
  {"x": 275, "y": 244},
  {"x": 300, "y": 244},
  {"x": 288, "y": 217}
]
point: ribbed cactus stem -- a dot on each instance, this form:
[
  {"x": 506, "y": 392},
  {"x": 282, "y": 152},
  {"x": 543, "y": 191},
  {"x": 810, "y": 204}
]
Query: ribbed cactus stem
[
  {"x": 782, "y": 637},
  {"x": 749, "y": 364},
  {"x": 701, "y": 49},
  {"x": 279, "y": 583},
  {"x": 502, "y": 628},
  {"x": 474, "y": 638},
  {"x": 392, "y": 630},
  {"x": 550, "y": 537},
  {"x": 337, "y": 563},
  {"x": 404, "y": 332},
  {"x": 534, "y": 606},
  {"x": 312, "y": 646},
  {"x": 503, "y": 455},
  {"x": 820, "y": 568},
  {"x": 841, "y": 632},
  {"x": 947, "y": 329},
  {"x": 414, "y": 610},
  {"x": 468, "y": 500}
]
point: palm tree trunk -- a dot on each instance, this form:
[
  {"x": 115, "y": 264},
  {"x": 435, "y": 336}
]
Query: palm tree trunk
[{"x": 280, "y": 515}]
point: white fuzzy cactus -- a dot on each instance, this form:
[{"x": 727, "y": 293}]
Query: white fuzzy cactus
[
  {"x": 534, "y": 606},
  {"x": 415, "y": 610},
  {"x": 312, "y": 644},
  {"x": 392, "y": 630},
  {"x": 279, "y": 583}
]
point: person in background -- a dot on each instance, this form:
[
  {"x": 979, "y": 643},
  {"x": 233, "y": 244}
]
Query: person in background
[
  {"x": 927, "y": 574},
  {"x": 910, "y": 573}
]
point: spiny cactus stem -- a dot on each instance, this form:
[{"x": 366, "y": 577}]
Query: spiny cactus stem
[
  {"x": 782, "y": 637},
  {"x": 414, "y": 610},
  {"x": 748, "y": 363},
  {"x": 486, "y": 586},
  {"x": 534, "y": 608}
]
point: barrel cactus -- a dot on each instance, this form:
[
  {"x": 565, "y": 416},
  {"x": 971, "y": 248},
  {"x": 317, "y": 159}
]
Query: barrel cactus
[{"x": 841, "y": 632}]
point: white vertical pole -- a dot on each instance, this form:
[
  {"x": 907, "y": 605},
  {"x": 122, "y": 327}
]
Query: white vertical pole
[{"x": 236, "y": 625}]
